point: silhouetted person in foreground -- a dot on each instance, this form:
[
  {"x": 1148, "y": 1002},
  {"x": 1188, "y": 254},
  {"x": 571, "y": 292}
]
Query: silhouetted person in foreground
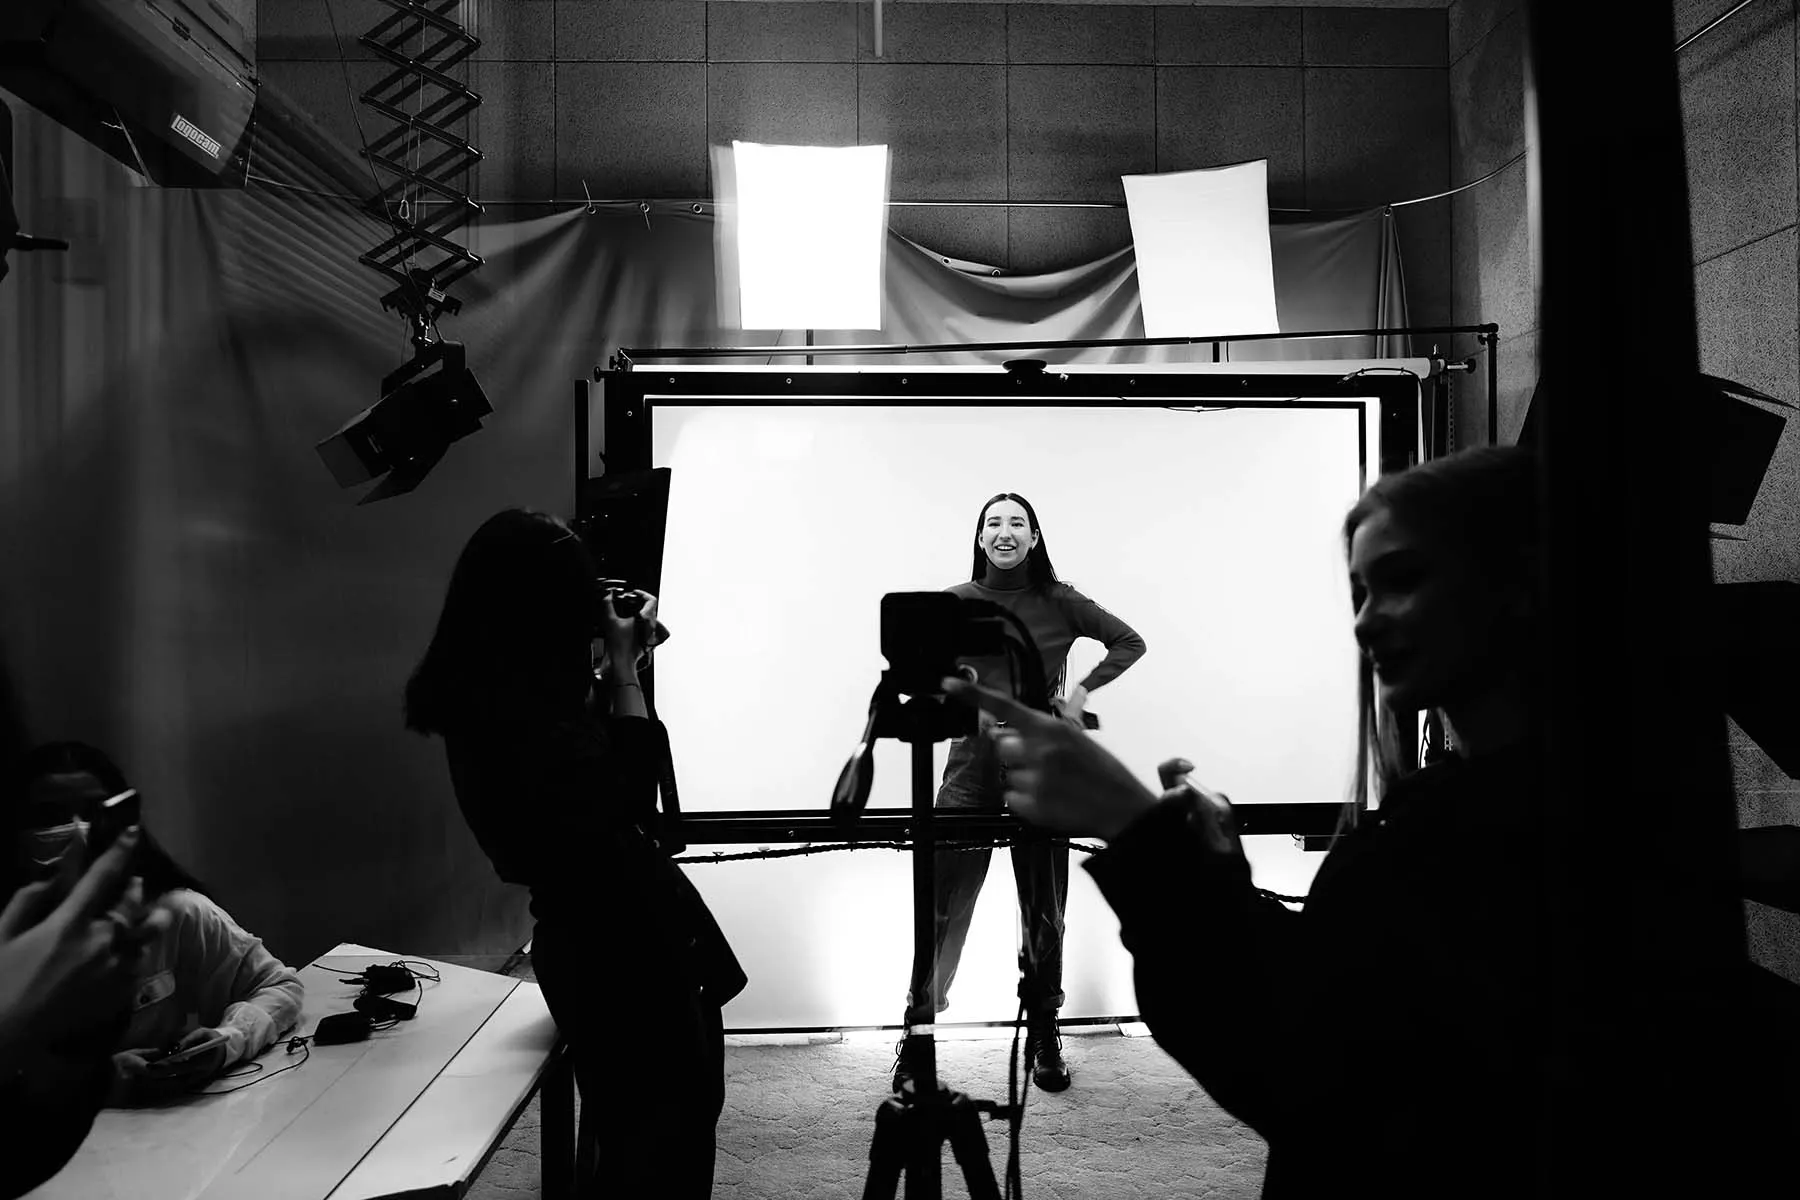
[
  {"x": 1391, "y": 1038},
  {"x": 555, "y": 769}
]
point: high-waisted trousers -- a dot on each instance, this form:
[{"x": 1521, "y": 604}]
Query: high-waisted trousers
[{"x": 975, "y": 779}]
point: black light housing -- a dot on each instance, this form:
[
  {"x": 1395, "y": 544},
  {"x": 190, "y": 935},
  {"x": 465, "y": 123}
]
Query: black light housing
[
  {"x": 1737, "y": 440},
  {"x": 405, "y": 433}
]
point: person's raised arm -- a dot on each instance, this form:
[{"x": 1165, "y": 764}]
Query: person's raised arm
[{"x": 1204, "y": 942}]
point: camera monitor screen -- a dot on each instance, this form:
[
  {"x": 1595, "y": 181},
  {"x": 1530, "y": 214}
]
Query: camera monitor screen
[{"x": 1213, "y": 531}]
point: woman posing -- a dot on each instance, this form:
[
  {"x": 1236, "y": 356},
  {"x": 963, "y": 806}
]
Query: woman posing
[{"x": 1011, "y": 567}]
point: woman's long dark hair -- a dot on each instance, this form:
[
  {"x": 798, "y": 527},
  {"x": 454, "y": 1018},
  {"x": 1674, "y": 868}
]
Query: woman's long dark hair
[
  {"x": 1040, "y": 575},
  {"x": 160, "y": 872},
  {"x": 1481, "y": 506},
  {"x": 513, "y": 640}
]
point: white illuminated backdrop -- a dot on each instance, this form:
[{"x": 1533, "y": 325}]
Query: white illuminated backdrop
[{"x": 1215, "y": 534}]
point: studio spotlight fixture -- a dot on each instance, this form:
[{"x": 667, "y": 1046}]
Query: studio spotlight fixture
[
  {"x": 425, "y": 405},
  {"x": 434, "y": 399}
]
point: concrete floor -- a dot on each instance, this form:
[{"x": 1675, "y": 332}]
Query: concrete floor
[{"x": 799, "y": 1118}]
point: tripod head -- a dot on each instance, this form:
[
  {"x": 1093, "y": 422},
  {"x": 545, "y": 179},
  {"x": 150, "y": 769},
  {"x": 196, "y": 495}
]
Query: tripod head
[{"x": 923, "y": 635}]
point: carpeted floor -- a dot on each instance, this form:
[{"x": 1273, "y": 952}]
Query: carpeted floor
[{"x": 799, "y": 1118}]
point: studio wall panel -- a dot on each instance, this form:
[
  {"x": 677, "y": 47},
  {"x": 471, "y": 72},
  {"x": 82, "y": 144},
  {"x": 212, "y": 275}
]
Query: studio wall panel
[
  {"x": 512, "y": 30},
  {"x": 1075, "y": 130},
  {"x": 1424, "y": 232},
  {"x": 631, "y": 129},
  {"x": 806, "y": 104},
  {"x": 946, "y": 126},
  {"x": 630, "y": 31},
  {"x": 1745, "y": 306},
  {"x": 1745, "y": 303},
  {"x": 1374, "y": 136},
  {"x": 1737, "y": 99},
  {"x": 1766, "y": 796},
  {"x": 779, "y": 32},
  {"x": 1471, "y": 20},
  {"x": 933, "y": 33},
  {"x": 1487, "y": 102},
  {"x": 1491, "y": 252},
  {"x": 295, "y": 30},
  {"x": 1079, "y": 33},
  {"x": 1375, "y": 37},
  {"x": 1214, "y": 116},
  {"x": 1206, "y": 36},
  {"x": 515, "y": 130}
]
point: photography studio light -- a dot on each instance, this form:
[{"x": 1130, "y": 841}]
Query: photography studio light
[
  {"x": 802, "y": 235},
  {"x": 1203, "y": 258}
]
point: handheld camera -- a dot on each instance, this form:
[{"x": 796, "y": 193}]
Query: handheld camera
[{"x": 625, "y": 601}]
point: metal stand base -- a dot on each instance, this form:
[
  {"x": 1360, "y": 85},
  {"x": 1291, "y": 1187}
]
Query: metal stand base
[{"x": 909, "y": 1139}]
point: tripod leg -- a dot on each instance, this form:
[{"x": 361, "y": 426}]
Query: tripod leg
[
  {"x": 887, "y": 1152},
  {"x": 968, "y": 1141},
  {"x": 925, "y": 1150}
]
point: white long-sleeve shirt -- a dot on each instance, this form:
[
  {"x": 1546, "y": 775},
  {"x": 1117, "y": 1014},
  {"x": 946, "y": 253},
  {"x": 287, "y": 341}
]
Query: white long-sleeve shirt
[{"x": 207, "y": 972}]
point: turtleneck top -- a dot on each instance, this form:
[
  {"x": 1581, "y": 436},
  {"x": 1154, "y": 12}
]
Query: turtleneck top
[{"x": 1056, "y": 618}]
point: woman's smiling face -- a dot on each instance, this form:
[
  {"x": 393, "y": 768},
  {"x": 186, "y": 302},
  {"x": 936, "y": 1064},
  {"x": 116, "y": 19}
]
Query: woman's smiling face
[{"x": 1006, "y": 534}]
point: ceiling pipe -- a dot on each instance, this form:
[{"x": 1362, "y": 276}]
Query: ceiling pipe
[{"x": 877, "y": 28}]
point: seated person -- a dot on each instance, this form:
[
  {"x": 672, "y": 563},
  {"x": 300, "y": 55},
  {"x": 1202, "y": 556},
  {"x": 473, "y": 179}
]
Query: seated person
[{"x": 206, "y": 985}]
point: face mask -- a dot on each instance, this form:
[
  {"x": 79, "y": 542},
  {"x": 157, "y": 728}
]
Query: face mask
[{"x": 46, "y": 846}]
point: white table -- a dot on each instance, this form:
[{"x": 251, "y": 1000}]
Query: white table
[{"x": 415, "y": 1110}]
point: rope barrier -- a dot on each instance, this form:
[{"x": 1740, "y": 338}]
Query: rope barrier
[{"x": 798, "y": 851}]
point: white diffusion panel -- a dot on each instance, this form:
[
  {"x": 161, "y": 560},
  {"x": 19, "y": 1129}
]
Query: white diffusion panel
[
  {"x": 1215, "y": 534},
  {"x": 1204, "y": 261}
]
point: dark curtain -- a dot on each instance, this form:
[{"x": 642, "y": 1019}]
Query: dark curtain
[{"x": 185, "y": 585}]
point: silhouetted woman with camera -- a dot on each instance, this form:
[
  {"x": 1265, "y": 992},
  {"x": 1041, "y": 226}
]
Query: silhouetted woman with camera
[
  {"x": 555, "y": 768},
  {"x": 1011, "y": 567}
]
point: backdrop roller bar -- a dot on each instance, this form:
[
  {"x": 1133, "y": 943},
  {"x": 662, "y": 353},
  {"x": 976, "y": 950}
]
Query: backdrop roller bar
[{"x": 628, "y": 355}]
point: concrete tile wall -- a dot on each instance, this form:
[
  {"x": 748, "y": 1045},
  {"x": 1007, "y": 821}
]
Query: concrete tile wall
[
  {"x": 1491, "y": 273},
  {"x": 987, "y": 102},
  {"x": 1739, "y": 99},
  {"x": 1738, "y": 96}
]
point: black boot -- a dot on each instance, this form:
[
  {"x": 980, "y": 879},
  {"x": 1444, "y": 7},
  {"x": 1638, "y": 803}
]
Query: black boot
[
  {"x": 906, "y": 1061},
  {"x": 1044, "y": 1053}
]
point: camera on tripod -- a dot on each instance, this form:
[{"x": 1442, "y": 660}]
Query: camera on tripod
[{"x": 923, "y": 634}]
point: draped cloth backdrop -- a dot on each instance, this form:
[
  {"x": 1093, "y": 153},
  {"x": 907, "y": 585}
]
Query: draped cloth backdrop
[{"x": 185, "y": 585}]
